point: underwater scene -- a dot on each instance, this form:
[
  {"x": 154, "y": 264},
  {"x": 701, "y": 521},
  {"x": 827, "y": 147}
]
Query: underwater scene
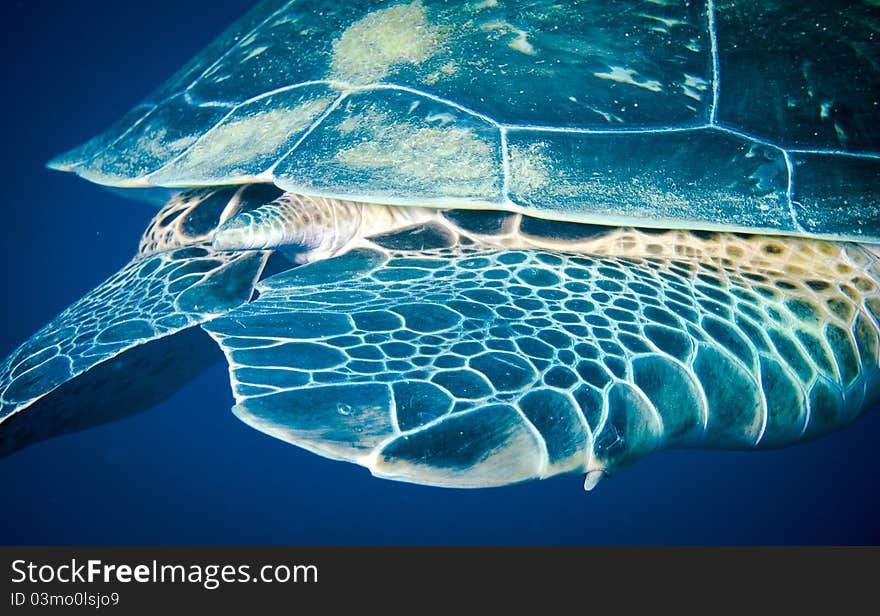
[{"x": 574, "y": 374}]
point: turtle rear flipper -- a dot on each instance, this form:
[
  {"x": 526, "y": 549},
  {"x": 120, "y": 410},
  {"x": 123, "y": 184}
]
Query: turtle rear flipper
[
  {"x": 131, "y": 382},
  {"x": 129, "y": 343},
  {"x": 469, "y": 366}
]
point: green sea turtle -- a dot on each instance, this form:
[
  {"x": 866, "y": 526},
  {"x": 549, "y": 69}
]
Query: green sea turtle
[{"x": 476, "y": 243}]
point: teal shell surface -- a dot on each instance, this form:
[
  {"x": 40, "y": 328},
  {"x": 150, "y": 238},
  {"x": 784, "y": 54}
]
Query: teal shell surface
[{"x": 749, "y": 116}]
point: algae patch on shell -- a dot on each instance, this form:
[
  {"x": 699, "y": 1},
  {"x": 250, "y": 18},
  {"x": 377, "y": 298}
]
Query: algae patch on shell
[
  {"x": 371, "y": 46},
  {"x": 629, "y": 76},
  {"x": 529, "y": 168},
  {"x": 158, "y": 144},
  {"x": 519, "y": 42},
  {"x": 246, "y": 144},
  {"x": 451, "y": 159}
]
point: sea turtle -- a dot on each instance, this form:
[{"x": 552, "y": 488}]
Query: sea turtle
[{"x": 476, "y": 243}]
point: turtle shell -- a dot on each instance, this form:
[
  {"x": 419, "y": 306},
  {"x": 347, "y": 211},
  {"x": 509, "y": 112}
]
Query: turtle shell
[{"x": 748, "y": 116}]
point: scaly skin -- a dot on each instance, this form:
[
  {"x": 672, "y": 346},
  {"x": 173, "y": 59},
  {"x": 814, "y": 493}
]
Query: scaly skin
[
  {"x": 316, "y": 227},
  {"x": 473, "y": 348},
  {"x": 518, "y": 356}
]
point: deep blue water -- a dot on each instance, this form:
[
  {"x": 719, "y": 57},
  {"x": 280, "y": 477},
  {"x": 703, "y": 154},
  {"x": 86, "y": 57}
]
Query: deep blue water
[{"x": 188, "y": 472}]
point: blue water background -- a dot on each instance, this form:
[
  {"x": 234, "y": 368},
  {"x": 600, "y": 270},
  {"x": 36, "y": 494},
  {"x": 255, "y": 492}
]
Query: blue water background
[{"x": 189, "y": 472}]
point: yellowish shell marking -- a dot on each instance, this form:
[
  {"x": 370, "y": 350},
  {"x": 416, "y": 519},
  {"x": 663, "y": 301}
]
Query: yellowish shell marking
[{"x": 370, "y": 47}]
